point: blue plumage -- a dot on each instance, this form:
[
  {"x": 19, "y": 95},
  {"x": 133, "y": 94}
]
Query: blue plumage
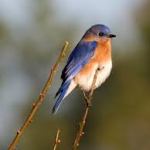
[
  {"x": 80, "y": 56},
  {"x": 77, "y": 59},
  {"x": 62, "y": 91}
]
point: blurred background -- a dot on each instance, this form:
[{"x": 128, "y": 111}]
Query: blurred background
[{"x": 32, "y": 33}]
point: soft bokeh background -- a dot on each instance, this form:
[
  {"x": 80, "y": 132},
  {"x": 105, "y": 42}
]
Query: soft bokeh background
[{"x": 32, "y": 33}]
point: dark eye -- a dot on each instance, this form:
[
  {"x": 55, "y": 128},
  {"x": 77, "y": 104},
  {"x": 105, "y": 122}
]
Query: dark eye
[{"x": 101, "y": 34}]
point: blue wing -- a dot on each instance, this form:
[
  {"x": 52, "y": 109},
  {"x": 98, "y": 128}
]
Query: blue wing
[
  {"x": 78, "y": 58},
  {"x": 76, "y": 61}
]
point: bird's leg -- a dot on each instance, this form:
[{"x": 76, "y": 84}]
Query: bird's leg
[
  {"x": 88, "y": 95},
  {"x": 100, "y": 68},
  {"x": 87, "y": 98}
]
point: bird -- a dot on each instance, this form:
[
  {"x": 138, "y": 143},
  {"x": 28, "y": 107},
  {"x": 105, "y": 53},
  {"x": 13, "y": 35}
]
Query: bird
[{"x": 92, "y": 53}]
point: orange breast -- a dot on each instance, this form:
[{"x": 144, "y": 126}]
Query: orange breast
[
  {"x": 102, "y": 54},
  {"x": 103, "y": 51}
]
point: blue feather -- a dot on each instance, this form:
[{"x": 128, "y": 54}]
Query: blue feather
[
  {"x": 61, "y": 93},
  {"x": 76, "y": 61},
  {"x": 78, "y": 58}
]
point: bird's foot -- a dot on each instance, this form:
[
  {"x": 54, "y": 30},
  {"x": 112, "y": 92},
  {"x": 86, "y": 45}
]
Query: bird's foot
[{"x": 87, "y": 99}]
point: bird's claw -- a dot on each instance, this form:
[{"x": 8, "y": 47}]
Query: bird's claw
[{"x": 87, "y": 99}]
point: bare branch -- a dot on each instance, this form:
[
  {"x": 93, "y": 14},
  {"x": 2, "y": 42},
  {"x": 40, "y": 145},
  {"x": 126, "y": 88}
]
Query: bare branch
[
  {"x": 57, "y": 140},
  {"x": 88, "y": 99},
  {"x": 40, "y": 99}
]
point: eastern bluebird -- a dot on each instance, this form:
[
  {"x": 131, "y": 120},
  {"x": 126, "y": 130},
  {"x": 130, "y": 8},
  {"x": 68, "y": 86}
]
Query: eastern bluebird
[{"x": 93, "y": 52}]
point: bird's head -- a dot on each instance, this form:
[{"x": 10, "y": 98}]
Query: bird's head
[{"x": 99, "y": 32}]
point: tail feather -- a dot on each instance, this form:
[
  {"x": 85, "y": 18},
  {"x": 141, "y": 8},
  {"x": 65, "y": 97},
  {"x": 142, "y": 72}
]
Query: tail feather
[
  {"x": 61, "y": 95},
  {"x": 62, "y": 87}
]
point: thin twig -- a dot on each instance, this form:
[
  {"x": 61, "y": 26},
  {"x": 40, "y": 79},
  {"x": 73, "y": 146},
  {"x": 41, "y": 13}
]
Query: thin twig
[
  {"x": 57, "y": 140},
  {"x": 40, "y": 99},
  {"x": 88, "y": 99}
]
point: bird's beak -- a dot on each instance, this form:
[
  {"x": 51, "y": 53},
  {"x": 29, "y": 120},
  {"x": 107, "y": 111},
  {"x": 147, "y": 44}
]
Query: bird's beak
[{"x": 111, "y": 35}]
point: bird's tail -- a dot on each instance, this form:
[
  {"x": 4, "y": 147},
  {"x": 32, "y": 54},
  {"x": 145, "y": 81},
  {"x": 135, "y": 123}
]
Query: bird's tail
[{"x": 63, "y": 91}]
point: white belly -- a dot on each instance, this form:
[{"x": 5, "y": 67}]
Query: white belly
[{"x": 85, "y": 82}]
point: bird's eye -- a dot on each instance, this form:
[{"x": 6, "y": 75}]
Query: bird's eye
[{"x": 101, "y": 34}]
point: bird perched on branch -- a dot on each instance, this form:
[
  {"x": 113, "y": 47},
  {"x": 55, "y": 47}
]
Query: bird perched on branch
[{"x": 92, "y": 53}]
